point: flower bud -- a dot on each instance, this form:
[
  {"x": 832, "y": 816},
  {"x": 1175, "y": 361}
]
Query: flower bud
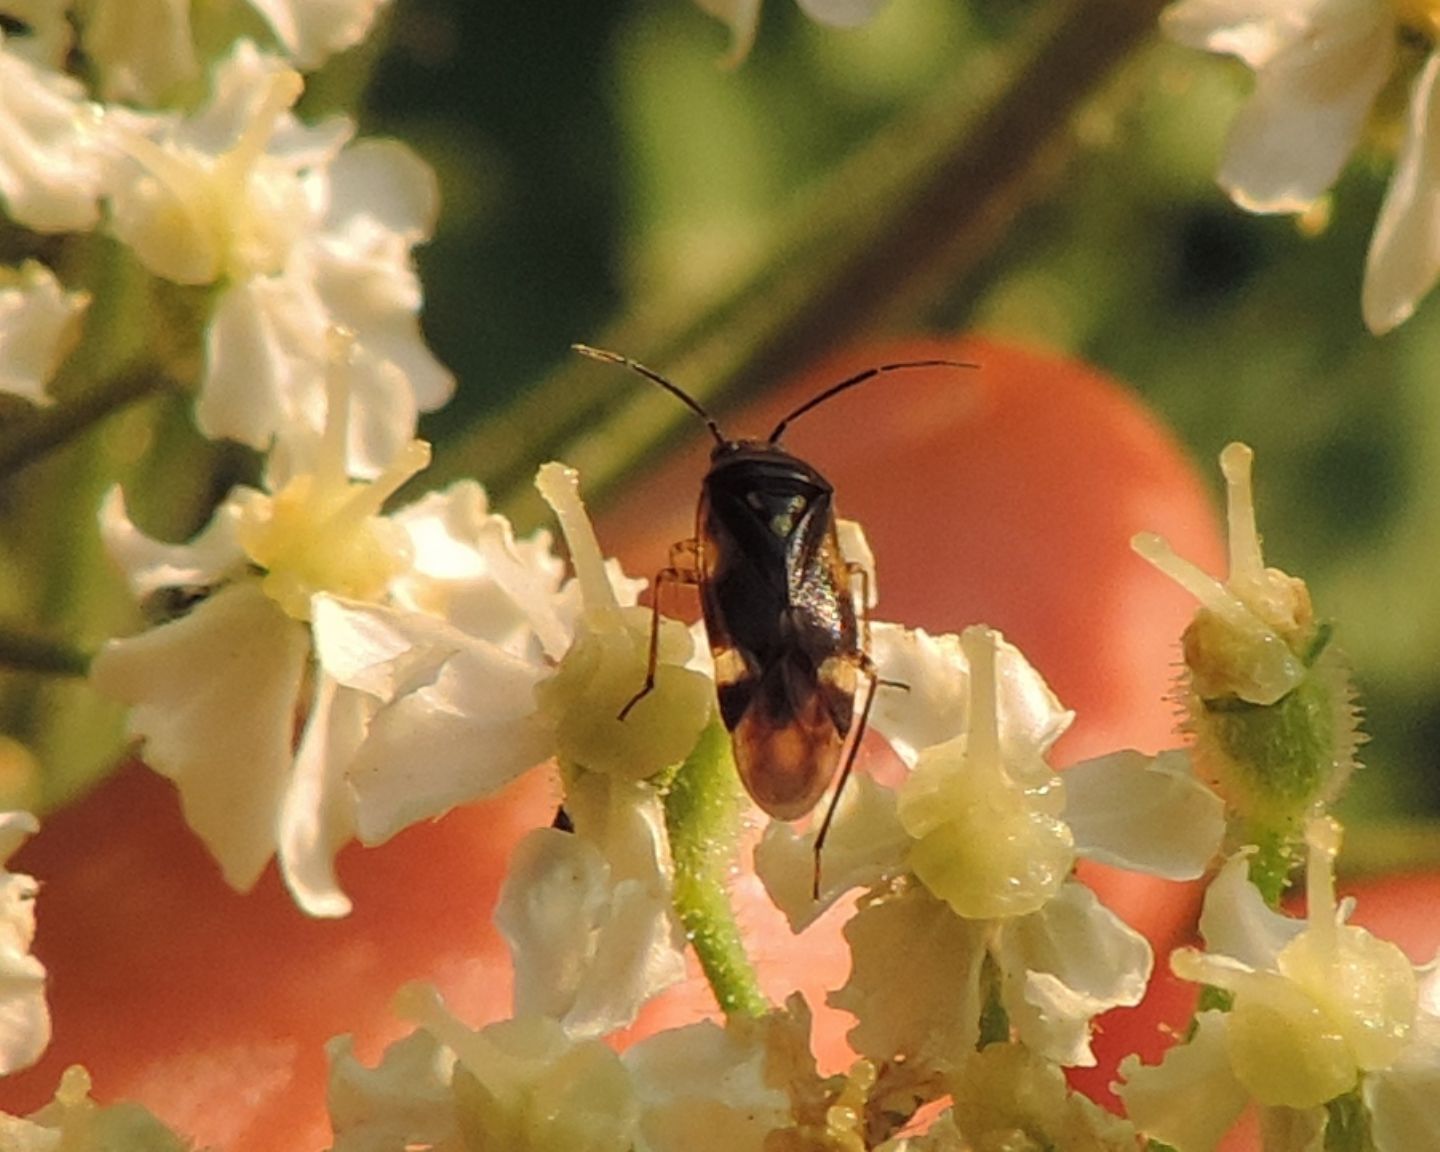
[{"x": 1267, "y": 699}]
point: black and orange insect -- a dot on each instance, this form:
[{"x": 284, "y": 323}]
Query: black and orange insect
[{"x": 778, "y": 598}]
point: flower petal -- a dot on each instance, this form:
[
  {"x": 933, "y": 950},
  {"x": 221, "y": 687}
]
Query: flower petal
[
  {"x": 1404, "y": 256},
  {"x": 703, "y": 1088},
  {"x": 318, "y": 814},
  {"x": 462, "y": 736},
  {"x": 1191, "y": 1098},
  {"x": 39, "y": 324},
  {"x": 24, "y": 1014},
  {"x": 1147, "y": 814},
  {"x": 587, "y": 950},
  {"x": 150, "y": 565},
  {"x": 405, "y": 1100},
  {"x": 213, "y": 694},
  {"x": 1236, "y": 922},
  {"x": 933, "y": 1010},
  {"x": 1256, "y": 31},
  {"x": 49, "y": 167},
  {"x": 1064, "y": 965},
  {"x": 1290, "y": 140},
  {"x": 866, "y": 843},
  {"x": 936, "y": 706},
  {"x": 841, "y": 13}
]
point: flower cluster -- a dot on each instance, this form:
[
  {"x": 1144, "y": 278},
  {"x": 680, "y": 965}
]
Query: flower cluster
[
  {"x": 296, "y": 229},
  {"x": 324, "y": 665}
]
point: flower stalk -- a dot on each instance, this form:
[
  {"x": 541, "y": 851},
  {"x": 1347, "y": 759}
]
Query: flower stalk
[
  {"x": 702, "y": 814},
  {"x": 46, "y": 429}
]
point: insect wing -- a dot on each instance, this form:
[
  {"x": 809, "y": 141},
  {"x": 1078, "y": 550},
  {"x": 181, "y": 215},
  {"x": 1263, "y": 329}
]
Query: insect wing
[{"x": 781, "y": 624}]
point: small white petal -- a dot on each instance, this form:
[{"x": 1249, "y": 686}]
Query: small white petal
[
  {"x": 49, "y": 166},
  {"x": 466, "y": 735},
  {"x": 1402, "y": 1100},
  {"x": 936, "y": 706},
  {"x": 318, "y": 814},
  {"x": 213, "y": 694},
  {"x": 1147, "y": 814},
  {"x": 469, "y": 568},
  {"x": 1191, "y": 1098},
  {"x": 866, "y": 843},
  {"x": 150, "y": 565},
  {"x": 841, "y": 13},
  {"x": 314, "y": 31},
  {"x": 586, "y": 950},
  {"x": 1236, "y": 922},
  {"x": 1291, "y": 139},
  {"x": 703, "y": 1088},
  {"x": 142, "y": 49},
  {"x": 39, "y": 324},
  {"x": 914, "y": 985},
  {"x": 24, "y": 1014},
  {"x": 1404, "y": 256},
  {"x": 377, "y": 650},
  {"x": 264, "y": 361},
  {"x": 742, "y": 17},
  {"x": 406, "y": 1100},
  {"x": 1063, "y": 966},
  {"x": 1254, "y": 30}
]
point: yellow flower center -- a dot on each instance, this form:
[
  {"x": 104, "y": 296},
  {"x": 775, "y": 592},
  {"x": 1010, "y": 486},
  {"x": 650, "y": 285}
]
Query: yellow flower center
[
  {"x": 323, "y": 532},
  {"x": 987, "y": 844},
  {"x": 200, "y": 218}
]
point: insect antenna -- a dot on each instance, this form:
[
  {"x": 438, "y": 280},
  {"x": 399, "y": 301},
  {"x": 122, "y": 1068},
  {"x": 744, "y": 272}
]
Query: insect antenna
[
  {"x": 860, "y": 378},
  {"x": 650, "y": 374}
]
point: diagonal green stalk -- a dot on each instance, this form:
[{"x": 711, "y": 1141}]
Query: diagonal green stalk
[
  {"x": 26, "y": 440},
  {"x": 912, "y": 215},
  {"x": 32, "y": 653},
  {"x": 702, "y": 816}
]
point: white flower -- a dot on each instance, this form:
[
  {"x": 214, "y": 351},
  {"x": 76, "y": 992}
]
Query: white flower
[
  {"x": 314, "y": 30},
  {"x": 305, "y": 608},
  {"x": 50, "y": 171},
  {"x": 1007, "y": 1097},
  {"x": 1319, "y": 66},
  {"x": 588, "y": 913},
  {"x": 39, "y": 325},
  {"x": 743, "y": 16},
  {"x": 304, "y": 234},
  {"x": 526, "y": 1085},
  {"x": 971, "y": 858},
  {"x": 143, "y": 50},
  {"x": 559, "y": 693},
  {"x": 24, "y": 1015},
  {"x": 1319, "y": 1007}
]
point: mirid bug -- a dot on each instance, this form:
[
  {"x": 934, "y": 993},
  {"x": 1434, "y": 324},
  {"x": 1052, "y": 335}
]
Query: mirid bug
[{"x": 778, "y": 599}]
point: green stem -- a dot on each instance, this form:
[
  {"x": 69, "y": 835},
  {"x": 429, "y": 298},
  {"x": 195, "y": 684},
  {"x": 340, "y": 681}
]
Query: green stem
[
  {"x": 1273, "y": 863},
  {"x": 1348, "y": 1124},
  {"x": 702, "y": 814},
  {"x": 45, "y": 429},
  {"x": 31, "y": 653},
  {"x": 907, "y": 220}
]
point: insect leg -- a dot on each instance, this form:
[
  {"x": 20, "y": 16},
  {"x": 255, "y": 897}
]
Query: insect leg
[
  {"x": 867, "y": 669},
  {"x": 677, "y": 573},
  {"x": 860, "y": 572}
]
